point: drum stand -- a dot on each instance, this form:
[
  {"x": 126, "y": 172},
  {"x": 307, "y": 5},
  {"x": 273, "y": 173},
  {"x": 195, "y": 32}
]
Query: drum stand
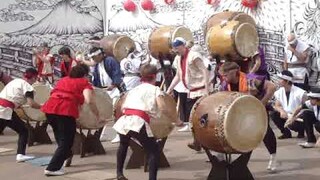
[
  {"x": 227, "y": 170},
  {"x": 139, "y": 158},
  {"x": 38, "y": 133},
  {"x": 86, "y": 144}
]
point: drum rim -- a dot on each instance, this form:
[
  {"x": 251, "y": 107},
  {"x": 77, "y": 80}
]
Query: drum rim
[
  {"x": 236, "y": 41},
  {"x": 175, "y": 31},
  {"x": 232, "y": 142},
  {"x": 115, "y": 43}
]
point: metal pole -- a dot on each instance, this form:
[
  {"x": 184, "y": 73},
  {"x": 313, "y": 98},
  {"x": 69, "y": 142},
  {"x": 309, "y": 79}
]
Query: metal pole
[{"x": 105, "y": 20}]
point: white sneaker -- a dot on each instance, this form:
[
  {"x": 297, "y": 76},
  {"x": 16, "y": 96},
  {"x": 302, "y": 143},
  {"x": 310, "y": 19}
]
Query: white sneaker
[
  {"x": 272, "y": 166},
  {"x": 185, "y": 128},
  {"x": 307, "y": 145},
  {"x": 116, "y": 139},
  {"x": 54, "y": 173},
  {"x": 23, "y": 158}
]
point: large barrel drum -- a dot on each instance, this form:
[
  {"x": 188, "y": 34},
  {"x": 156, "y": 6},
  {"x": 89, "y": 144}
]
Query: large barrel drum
[
  {"x": 162, "y": 125},
  {"x": 225, "y": 16},
  {"x": 161, "y": 38},
  {"x": 86, "y": 118},
  {"x": 117, "y": 46},
  {"x": 42, "y": 94},
  {"x": 229, "y": 122},
  {"x": 233, "y": 40}
]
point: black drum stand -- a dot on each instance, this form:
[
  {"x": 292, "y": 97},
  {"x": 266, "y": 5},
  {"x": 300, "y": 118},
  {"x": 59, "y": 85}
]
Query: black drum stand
[
  {"x": 227, "y": 170},
  {"x": 139, "y": 158}
]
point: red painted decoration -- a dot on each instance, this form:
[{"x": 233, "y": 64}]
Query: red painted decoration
[
  {"x": 169, "y": 1},
  {"x": 147, "y": 5},
  {"x": 250, "y": 3},
  {"x": 129, "y": 5},
  {"x": 214, "y": 2}
]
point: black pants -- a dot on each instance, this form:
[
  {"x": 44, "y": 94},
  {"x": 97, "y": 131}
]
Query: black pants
[
  {"x": 189, "y": 105},
  {"x": 270, "y": 140},
  {"x": 19, "y": 127},
  {"x": 182, "y": 105},
  {"x": 2, "y": 127},
  {"x": 309, "y": 120},
  {"x": 64, "y": 129},
  {"x": 279, "y": 122},
  {"x": 149, "y": 145}
]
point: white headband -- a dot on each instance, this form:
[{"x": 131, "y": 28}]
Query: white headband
[
  {"x": 313, "y": 95},
  {"x": 95, "y": 53},
  {"x": 285, "y": 77}
]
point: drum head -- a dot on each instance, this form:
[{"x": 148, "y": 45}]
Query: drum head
[
  {"x": 42, "y": 94},
  {"x": 104, "y": 104},
  {"x": 122, "y": 47},
  {"x": 182, "y": 32},
  {"x": 245, "y": 123},
  {"x": 162, "y": 126},
  {"x": 246, "y": 40}
]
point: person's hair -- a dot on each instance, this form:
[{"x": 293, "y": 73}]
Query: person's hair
[
  {"x": 148, "y": 72},
  {"x": 44, "y": 44},
  {"x": 65, "y": 50},
  {"x": 30, "y": 73},
  {"x": 79, "y": 71},
  {"x": 95, "y": 49},
  {"x": 96, "y": 38},
  {"x": 228, "y": 66},
  {"x": 287, "y": 73}
]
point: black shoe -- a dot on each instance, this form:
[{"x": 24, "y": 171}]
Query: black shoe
[
  {"x": 121, "y": 177},
  {"x": 285, "y": 136},
  {"x": 194, "y": 146}
]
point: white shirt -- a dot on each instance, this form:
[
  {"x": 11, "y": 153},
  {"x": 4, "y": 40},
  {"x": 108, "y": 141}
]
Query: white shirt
[
  {"x": 298, "y": 72},
  {"x": 131, "y": 66},
  {"x": 142, "y": 97},
  {"x": 14, "y": 92},
  {"x": 105, "y": 81},
  {"x": 295, "y": 98},
  {"x": 180, "y": 87}
]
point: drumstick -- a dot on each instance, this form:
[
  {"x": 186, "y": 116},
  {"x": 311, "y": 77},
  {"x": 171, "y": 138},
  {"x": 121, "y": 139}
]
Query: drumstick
[{"x": 162, "y": 84}]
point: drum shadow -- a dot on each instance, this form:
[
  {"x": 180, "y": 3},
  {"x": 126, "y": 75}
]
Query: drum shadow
[
  {"x": 189, "y": 165},
  {"x": 97, "y": 166}
]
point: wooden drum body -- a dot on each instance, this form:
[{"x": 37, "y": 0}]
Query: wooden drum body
[
  {"x": 86, "y": 118},
  {"x": 161, "y": 38},
  {"x": 229, "y": 122},
  {"x": 42, "y": 94},
  {"x": 223, "y": 17},
  {"x": 117, "y": 46},
  {"x": 162, "y": 125},
  {"x": 233, "y": 40}
]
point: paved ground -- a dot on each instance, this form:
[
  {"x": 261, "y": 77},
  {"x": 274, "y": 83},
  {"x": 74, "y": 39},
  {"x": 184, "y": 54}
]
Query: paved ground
[{"x": 294, "y": 162}]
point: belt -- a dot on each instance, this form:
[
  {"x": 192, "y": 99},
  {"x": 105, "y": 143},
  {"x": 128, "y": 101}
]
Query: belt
[
  {"x": 139, "y": 113},
  {"x": 6, "y": 103}
]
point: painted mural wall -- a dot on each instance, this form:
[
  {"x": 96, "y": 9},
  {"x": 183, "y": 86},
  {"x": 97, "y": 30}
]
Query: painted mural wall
[{"x": 27, "y": 23}]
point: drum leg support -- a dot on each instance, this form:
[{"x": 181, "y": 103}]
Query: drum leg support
[
  {"x": 139, "y": 158},
  {"x": 227, "y": 170},
  {"x": 38, "y": 134},
  {"x": 87, "y": 144}
]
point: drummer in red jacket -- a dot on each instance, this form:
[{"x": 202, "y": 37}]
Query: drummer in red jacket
[
  {"x": 62, "y": 110},
  {"x": 259, "y": 87}
]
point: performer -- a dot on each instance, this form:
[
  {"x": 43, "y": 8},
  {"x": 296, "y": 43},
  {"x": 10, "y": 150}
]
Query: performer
[
  {"x": 259, "y": 87},
  {"x": 15, "y": 94},
  {"x": 44, "y": 62},
  {"x": 288, "y": 98},
  {"x": 130, "y": 67},
  {"x": 67, "y": 61},
  {"x": 107, "y": 74},
  {"x": 194, "y": 75},
  {"x": 310, "y": 114},
  {"x": 62, "y": 110},
  {"x": 295, "y": 61},
  {"x": 140, "y": 107},
  {"x": 5, "y": 79}
]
